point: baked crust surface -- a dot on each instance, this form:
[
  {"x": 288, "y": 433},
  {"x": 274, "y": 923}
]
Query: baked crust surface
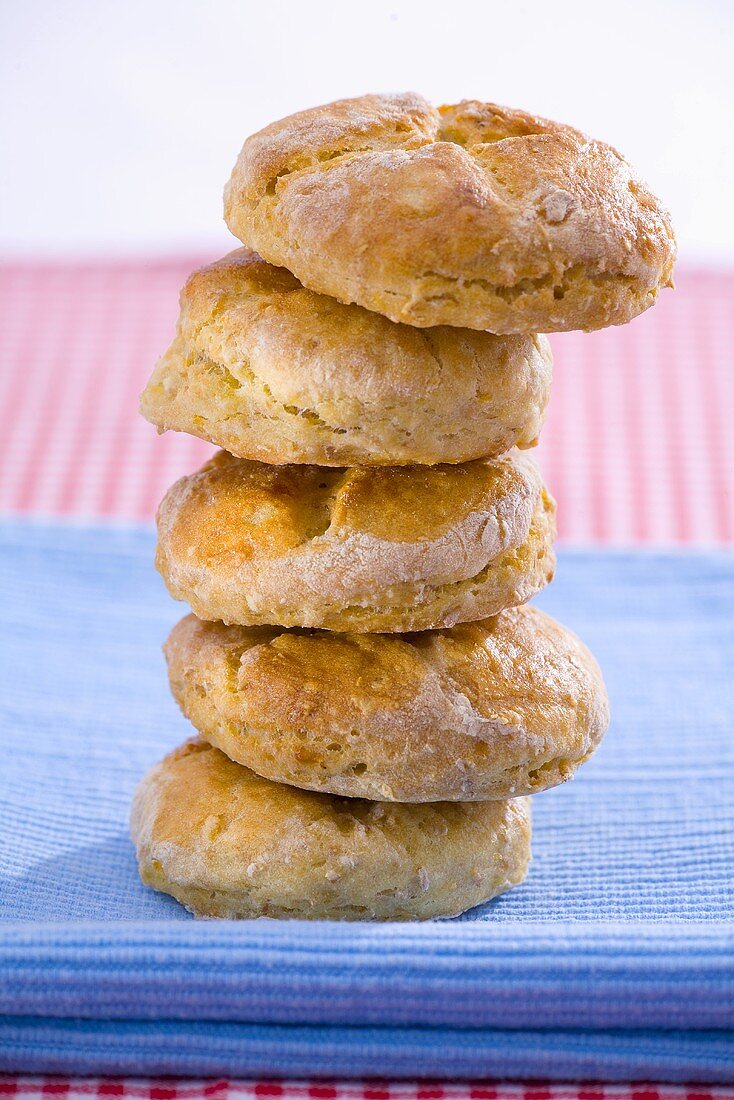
[
  {"x": 488, "y": 710},
  {"x": 472, "y": 215},
  {"x": 227, "y": 843},
  {"x": 269, "y": 370},
  {"x": 359, "y": 549}
]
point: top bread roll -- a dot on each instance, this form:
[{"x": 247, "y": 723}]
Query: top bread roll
[{"x": 472, "y": 215}]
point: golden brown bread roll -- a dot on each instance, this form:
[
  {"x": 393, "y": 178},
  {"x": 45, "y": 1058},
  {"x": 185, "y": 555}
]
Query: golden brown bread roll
[
  {"x": 384, "y": 549},
  {"x": 472, "y": 215},
  {"x": 489, "y": 710},
  {"x": 227, "y": 843},
  {"x": 269, "y": 370}
]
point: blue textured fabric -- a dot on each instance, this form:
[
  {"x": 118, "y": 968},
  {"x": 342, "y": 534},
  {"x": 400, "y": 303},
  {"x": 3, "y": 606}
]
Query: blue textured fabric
[
  {"x": 614, "y": 960},
  {"x": 191, "y": 1049}
]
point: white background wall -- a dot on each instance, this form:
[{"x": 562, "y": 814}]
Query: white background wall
[{"x": 120, "y": 119}]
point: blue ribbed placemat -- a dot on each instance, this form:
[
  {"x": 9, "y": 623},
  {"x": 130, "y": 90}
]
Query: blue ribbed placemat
[{"x": 624, "y": 928}]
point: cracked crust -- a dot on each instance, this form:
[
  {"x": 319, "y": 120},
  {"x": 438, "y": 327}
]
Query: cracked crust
[
  {"x": 472, "y": 215},
  {"x": 489, "y": 710},
  {"x": 359, "y": 549},
  {"x": 227, "y": 843},
  {"x": 271, "y": 371}
]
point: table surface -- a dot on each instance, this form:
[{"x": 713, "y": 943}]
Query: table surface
[{"x": 637, "y": 450}]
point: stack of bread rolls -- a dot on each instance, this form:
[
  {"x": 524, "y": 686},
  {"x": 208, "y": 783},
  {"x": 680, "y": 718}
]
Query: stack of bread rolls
[{"x": 373, "y": 696}]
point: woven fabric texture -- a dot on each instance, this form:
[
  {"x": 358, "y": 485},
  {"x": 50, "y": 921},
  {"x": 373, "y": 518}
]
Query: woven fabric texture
[
  {"x": 623, "y": 927},
  {"x": 614, "y": 961}
]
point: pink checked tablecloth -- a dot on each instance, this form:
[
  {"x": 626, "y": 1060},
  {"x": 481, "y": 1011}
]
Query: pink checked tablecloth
[
  {"x": 638, "y": 446},
  {"x": 638, "y": 449},
  {"x": 47, "y": 1088}
]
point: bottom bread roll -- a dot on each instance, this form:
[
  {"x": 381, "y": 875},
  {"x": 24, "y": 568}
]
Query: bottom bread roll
[{"x": 227, "y": 843}]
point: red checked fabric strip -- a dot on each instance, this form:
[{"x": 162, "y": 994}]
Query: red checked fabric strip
[
  {"x": 637, "y": 447},
  {"x": 44, "y": 1088}
]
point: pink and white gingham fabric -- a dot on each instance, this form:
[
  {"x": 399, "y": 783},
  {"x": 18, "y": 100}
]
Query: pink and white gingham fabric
[
  {"x": 638, "y": 446},
  {"x": 638, "y": 449},
  {"x": 46, "y": 1088}
]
